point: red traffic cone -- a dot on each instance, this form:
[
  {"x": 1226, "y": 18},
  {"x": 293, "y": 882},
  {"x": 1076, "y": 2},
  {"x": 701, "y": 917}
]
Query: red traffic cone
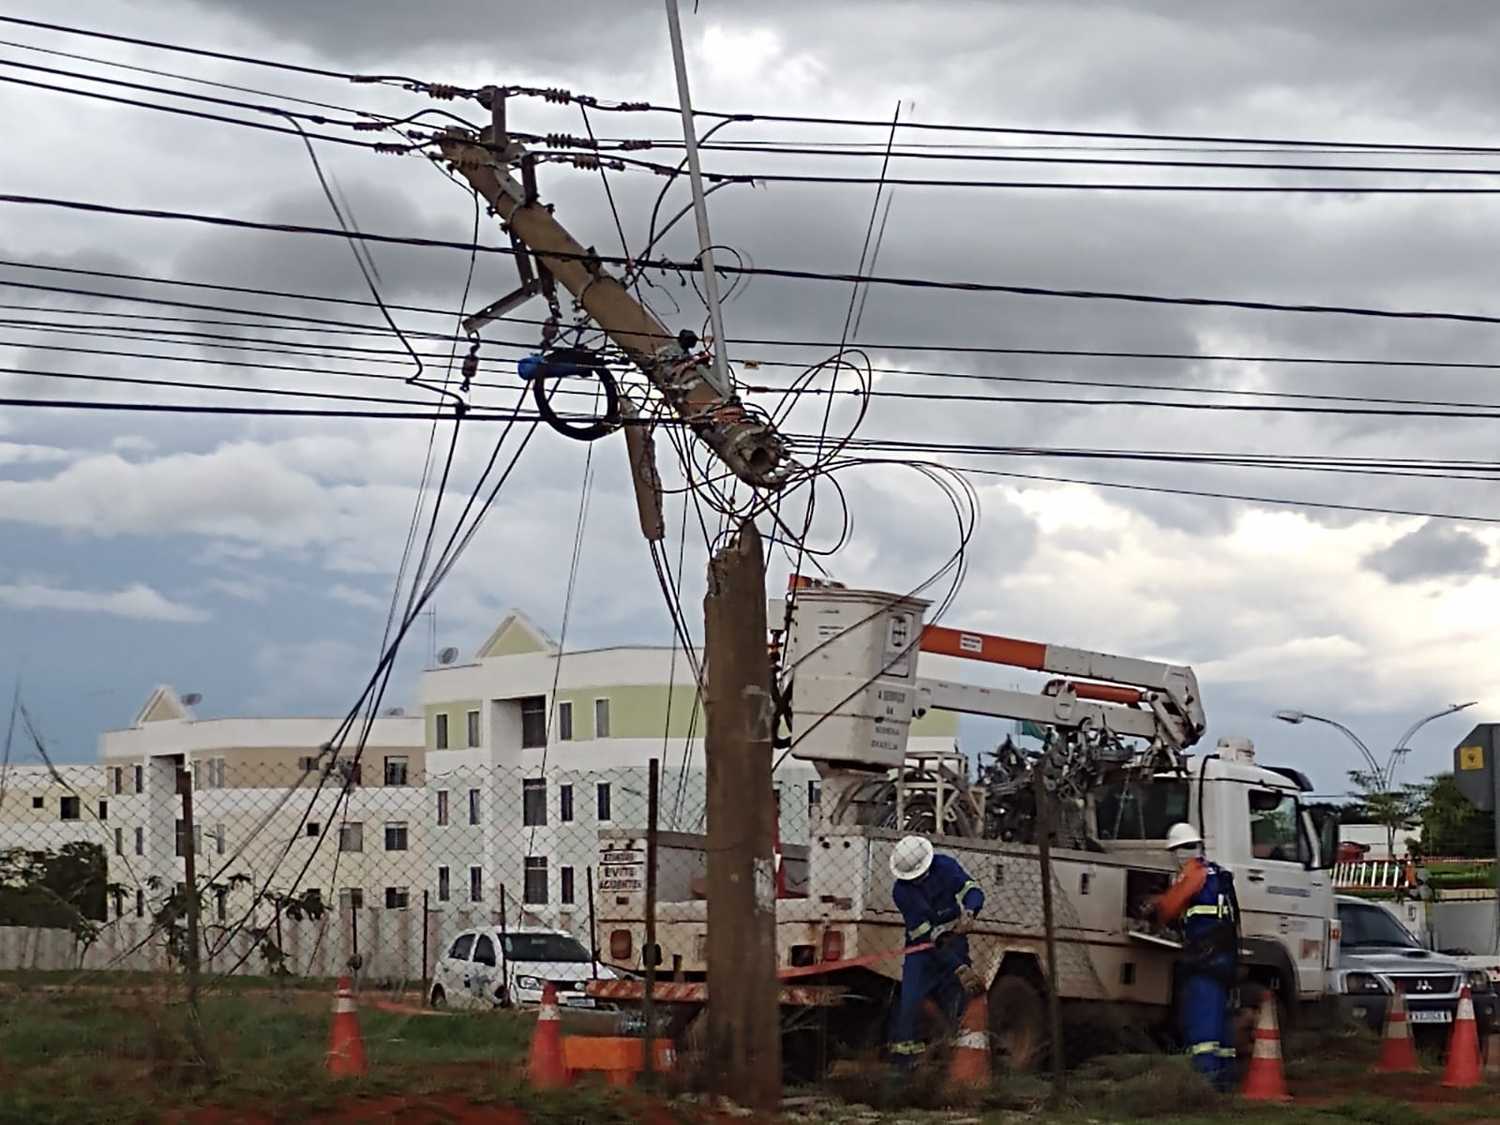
[
  {"x": 346, "y": 1046},
  {"x": 1397, "y": 1055},
  {"x": 1463, "y": 1068},
  {"x": 544, "y": 1068},
  {"x": 1264, "y": 1080},
  {"x": 969, "y": 1066}
]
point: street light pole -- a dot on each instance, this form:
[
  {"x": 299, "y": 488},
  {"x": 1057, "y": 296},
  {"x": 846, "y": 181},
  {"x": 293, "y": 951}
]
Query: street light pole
[
  {"x": 1403, "y": 748},
  {"x": 1296, "y": 717}
]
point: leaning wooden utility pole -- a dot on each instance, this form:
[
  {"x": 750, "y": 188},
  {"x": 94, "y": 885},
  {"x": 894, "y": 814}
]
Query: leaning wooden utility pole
[
  {"x": 744, "y": 1042},
  {"x": 744, "y": 1047}
]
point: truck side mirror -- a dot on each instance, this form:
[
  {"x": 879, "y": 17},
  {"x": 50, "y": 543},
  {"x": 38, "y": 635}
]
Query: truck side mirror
[{"x": 1326, "y": 821}]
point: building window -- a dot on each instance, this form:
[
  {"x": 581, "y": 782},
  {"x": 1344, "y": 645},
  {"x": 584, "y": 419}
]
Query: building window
[
  {"x": 534, "y": 890},
  {"x": 219, "y": 838},
  {"x": 445, "y": 888},
  {"x": 396, "y": 898},
  {"x": 103, "y": 809},
  {"x": 308, "y": 764},
  {"x": 140, "y": 779},
  {"x": 140, "y": 904},
  {"x": 533, "y": 802},
  {"x": 140, "y": 841},
  {"x": 814, "y": 793},
  {"x": 395, "y": 836},
  {"x": 70, "y": 808},
  {"x": 602, "y": 800},
  {"x": 476, "y": 884},
  {"x": 352, "y": 898},
  {"x": 565, "y": 721},
  {"x": 216, "y": 773},
  {"x": 565, "y": 893},
  {"x": 180, "y": 846},
  {"x": 442, "y": 810},
  {"x": 313, "y": 829},
  {"x": 352, "y": 772},
  {"x": 601, "y": 718},
  {"x": 220, "y": 895},
  {"x": 440, "y": 731},
  {"x": 119, "y": 841},
  {"x": 471, "y": 725},
  {"x": 473, "y": 806},
  {"x": 39, "y": 802},
  {"x": 533, "y": 721},
  {"x": 117, "y": 780},
  {"x": 396, "y": 770},
  {"x": 565, "y": 804},
  {"x": 352, "y": 836}
]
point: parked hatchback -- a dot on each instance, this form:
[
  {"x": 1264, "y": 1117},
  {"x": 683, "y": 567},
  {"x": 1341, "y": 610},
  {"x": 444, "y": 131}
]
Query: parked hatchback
[
  {"x": 488, "y": 968},
  {"x": 1378, "y": 957}
]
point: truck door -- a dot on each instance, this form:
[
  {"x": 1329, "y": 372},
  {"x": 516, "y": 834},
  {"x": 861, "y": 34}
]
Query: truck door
[{"x": 1281, "y": 896}]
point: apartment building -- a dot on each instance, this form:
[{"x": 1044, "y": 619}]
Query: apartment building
[{"x": 562, "y": 743}]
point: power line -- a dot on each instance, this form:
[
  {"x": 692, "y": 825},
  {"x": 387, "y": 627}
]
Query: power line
[
  {"x": 274, "y": 64},
  {"x": 767, "y": 271},
  {"x": 1250, "y": 499},
  {"x": 929, "y": 126},
  {"x": 957, "y": 349}
]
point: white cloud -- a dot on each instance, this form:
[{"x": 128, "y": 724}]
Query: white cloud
[
  {"x": 15, "y": 453},
  {"x": 360, "y": 599},
  {"x": 133, "y": 443},
  {"x": 137, "y": 601},
  {"x": 243, "y": 589}
]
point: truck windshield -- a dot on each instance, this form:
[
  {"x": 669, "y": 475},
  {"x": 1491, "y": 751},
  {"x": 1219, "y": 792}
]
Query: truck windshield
[
  {"x": 1370, "y": 925},
  {"x": 1140, "y": 809},
  {"x": 544, "y": 947}
]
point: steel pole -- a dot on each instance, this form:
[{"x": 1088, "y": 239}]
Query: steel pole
[{"x": 720, "y": 379}]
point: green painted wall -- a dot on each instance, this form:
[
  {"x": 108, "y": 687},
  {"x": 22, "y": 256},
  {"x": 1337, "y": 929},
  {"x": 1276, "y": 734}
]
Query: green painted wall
[
  {"x": 457, "y": 712},
  {"x": 515, "y": 640},
  {"x": 635, "y": 710}
]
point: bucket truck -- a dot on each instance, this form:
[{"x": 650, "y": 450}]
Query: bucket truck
[{"x": 1118, "y": 771}]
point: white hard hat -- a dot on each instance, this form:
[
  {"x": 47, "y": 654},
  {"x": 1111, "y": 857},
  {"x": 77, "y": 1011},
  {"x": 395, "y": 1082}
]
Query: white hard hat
[
  {"x": 1182, "y": 836},
  {"x": 911, "y": 857}
]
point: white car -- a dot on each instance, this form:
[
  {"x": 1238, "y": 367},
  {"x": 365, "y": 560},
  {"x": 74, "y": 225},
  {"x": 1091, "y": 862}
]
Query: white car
[{"x": 488, "y": 968}]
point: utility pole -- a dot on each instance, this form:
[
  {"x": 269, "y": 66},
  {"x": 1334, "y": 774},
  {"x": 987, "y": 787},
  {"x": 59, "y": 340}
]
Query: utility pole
[
  {"x": 744, "y": 1046},
  {"x": 193, "y": 946},
  {"x": 1049, "y": 925},
  {"x": 744, "y": 1037}
]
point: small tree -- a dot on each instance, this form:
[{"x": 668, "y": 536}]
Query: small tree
[
  {"x": 1451, "y": 825},
  {"x": 1392, "y": 808}
]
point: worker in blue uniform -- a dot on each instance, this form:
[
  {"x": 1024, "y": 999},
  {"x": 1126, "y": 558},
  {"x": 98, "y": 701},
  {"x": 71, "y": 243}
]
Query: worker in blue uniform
[
  {"x": 938, "y": 902},
  {"x": 1203, "y": 897}
]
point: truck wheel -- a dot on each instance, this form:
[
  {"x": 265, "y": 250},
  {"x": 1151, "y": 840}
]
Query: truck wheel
[
  {"x": 439, "y": 998},
  {"x": 1018, "y": 1023}
]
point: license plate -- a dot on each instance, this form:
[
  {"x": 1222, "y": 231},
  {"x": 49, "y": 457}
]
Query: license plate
[
  {"x": 577, "y": 1001},
  {"x": 1430, "y": 1017}
]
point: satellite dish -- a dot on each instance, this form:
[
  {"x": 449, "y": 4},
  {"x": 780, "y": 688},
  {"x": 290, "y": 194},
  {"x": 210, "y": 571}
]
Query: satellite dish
[
  {"x": 192, "y": 699},
  {"x": 448, "y": 655},
  {"x": 395, "y": 711}
]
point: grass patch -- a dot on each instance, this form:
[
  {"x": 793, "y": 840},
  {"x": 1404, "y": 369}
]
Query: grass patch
[{"x": 86, "y": 1057}]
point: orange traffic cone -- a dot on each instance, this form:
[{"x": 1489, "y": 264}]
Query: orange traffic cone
[
  {"x": 1264, "y": 1080},
  {"x": 969, "y": 1068},
  {"x": 346, "y": 1047},
  {"x": 1463, "y": 1068},
  {"x": 544, "y": 1067},
  {"x": 1397, "y": 1055}
]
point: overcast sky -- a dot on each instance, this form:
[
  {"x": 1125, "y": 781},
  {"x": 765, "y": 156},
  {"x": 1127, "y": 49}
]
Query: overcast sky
[{"x": 251, "y": 559}]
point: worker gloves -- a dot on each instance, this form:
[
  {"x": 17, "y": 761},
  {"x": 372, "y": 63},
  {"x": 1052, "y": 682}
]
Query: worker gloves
[
  {"x": 963, "y": 924},
  {"x": 972, "y": 984}
]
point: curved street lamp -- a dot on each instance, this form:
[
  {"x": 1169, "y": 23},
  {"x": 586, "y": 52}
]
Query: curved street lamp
[
  {"x": 1401, "y": 744},
  {"x": 1297, "y": 717}
]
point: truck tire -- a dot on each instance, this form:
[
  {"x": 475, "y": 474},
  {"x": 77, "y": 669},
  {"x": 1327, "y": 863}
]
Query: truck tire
[{"x": 1018, "y": 1023}]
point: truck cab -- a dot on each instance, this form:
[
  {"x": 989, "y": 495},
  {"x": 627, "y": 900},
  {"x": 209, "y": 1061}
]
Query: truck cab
[{"x": 1256, "y": 824}]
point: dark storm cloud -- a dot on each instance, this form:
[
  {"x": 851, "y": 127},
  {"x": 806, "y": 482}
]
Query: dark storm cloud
[{"x": 1431, "y": 551}]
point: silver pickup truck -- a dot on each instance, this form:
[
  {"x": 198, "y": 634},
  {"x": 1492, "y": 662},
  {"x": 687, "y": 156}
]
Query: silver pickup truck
[{"x": 1379, "y": 956}]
